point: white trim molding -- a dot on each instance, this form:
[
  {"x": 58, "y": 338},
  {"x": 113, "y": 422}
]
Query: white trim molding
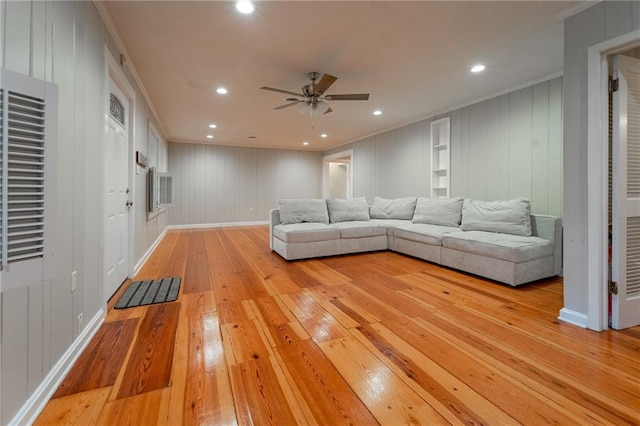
[
  {"x": 111, "y": 28},
  {"x": 218, "y": 225},
  {"x": 597, "y": 165},
  {"x": 148, "y": 253},
  {"x": 32, "y": 408},
  {"x": 573, "y": 317}
]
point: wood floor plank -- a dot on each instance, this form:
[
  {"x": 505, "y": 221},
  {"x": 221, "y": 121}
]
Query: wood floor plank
[
  {"x": 369, "y": 338},
  {"x": 155, "y": 265},
  {"x": 196, "y": 274},
  {"x": 619, "y": 402},
  {"x": 624, "y": 384},
  {"x": 509, "y": 395},
  {"x": 81, "y": 408},
  {"x": 457, "y": 396},
  {"x": 376, "y": 308},
  {"x": 149, "y": 366},
  {"x": 533, "y": 373},
  {"x": 324, "y": 328},
  {"x": 225, "y": 283},
  {"x": 207, "y": 396},
  {"x": 99, "y": 364},
  {"x": 143, "y": 409},
  {"x": 245, "y": 341},
  {"x": 327, "y": 276},
  {"x": 250, "y": 280},
  {"x": 379, "y": 291},
  {"x": 301, "y": 305},
  {"x": 329, "y": 396},
  {"x": 259, "y": 399},
  {"x": 177, "y": 262},
  {"x": 383, "y": 393}
]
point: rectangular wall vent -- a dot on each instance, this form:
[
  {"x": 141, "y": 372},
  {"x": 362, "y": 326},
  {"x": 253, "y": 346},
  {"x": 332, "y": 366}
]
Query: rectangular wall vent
[
  {"x": 23, "y": 137},
  {"x": 165, "y": 189}
]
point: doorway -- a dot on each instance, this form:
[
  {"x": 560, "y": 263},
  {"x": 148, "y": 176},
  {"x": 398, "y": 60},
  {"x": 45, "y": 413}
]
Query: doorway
[
  {"x": 624, "y": 188},
  {"x": 598, "y": 165},
  {"x": 337, "y": 175},
  {"x": 117, "y": 174}
]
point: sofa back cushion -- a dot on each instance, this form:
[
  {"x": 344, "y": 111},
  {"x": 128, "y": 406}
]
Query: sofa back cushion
[
  {"x": 398, "y": 208},
  {"x": 507, "y": 217},
  {"x": 303, "y": 210},
  {"x": 348, "y": 210},
  {"x": 438, "y": 211}
]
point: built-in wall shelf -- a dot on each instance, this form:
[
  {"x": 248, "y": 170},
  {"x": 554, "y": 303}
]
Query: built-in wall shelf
[{"x": 440, "y": 157}]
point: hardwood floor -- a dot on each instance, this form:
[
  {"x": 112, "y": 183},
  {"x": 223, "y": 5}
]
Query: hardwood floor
[{"x": 376, "y": 338}]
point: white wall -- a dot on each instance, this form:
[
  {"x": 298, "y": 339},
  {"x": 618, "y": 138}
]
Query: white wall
[
  {"x": 509, "y": 146},
  {"x": 224, "y": 184},
  {"x": 63, "y": 43},
  {"x": 601, "y": 22}
]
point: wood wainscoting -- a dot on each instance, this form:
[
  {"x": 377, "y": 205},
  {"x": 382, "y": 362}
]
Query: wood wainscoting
[{"x": 376, "y": 338}]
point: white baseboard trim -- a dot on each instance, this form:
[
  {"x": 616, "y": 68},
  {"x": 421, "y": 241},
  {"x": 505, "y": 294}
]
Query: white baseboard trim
[
  {"x": 218, "y": 225},
  {"x": 147, "y": 254},
  {"x": 32, "y": 408},
  {"x": 573, "y": 317}
]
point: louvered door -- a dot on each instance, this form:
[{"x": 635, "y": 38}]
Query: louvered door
[
  {"x": 26, "y": 140},
  {"x": 625, "y": 269}
]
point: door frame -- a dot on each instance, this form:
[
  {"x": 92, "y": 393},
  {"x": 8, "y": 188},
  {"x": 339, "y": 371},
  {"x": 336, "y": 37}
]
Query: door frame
[
  {"x": 597, "y": 164},
  {"x": 325, "y": 172},
  {"x": 113, "y": 72}
]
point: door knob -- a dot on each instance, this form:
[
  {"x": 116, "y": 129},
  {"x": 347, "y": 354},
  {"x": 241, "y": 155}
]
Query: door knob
[{"x": 129, "y": 203}]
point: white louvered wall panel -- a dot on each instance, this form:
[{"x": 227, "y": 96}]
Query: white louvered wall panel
[
  {"x": 633, "y": 135},
  {"x": 22, "y": 170},
  {"x": 633, "y": 181},
  {"x": 633, "y": 256}
]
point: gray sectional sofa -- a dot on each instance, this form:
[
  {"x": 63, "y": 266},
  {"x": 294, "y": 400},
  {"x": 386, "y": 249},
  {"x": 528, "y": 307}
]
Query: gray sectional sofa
[{"x": 500, "y": 240}]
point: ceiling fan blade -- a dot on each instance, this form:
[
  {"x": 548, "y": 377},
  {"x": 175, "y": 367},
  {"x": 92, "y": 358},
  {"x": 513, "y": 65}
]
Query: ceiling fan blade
[
  {"x": 287, "y": 105},
  {"x": 282, "y": 91},
  {"x": 328, "y": 111},
  {"x": 348, "y": 97},
  {"x": 325, "y": 82}
]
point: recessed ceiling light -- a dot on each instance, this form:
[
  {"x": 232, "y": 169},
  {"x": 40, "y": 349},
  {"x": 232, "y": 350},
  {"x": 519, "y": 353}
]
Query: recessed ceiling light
[
  {"x": 212, "y": 126},
  {"x": 221, "y": 90},
  {"x": 324, "y": 135},
  {"x": 209, "y": 136},
  {"x": 377, "y": 112},
  {"x": 244, "y": 6},
  {"x": 305, "y": 143},
  {"x": 478, "y": 68}
]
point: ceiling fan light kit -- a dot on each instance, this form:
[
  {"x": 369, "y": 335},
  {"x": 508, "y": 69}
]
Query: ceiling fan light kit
[{"x": 311, "y": 101}]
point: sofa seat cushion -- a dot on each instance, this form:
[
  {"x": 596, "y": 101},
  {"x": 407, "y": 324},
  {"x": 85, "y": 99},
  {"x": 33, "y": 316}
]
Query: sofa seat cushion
[
  {"x": 360, "y": 229},
  {"x": 391, "y": 224},
  {"x": 305, "y": 232},
  {"x": 512, "y": 248},
  {"x": 424, "y": 233}
]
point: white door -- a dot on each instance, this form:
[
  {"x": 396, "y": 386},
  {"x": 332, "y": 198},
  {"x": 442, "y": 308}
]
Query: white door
[
  {"x": 625, "y": 268},
  {"x": 116, "y": 192}
]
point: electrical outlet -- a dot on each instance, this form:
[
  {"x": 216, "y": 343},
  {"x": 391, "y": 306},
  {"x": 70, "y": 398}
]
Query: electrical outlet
[
  {"x": 80, "y": 322},
  {"x": 74, "y": 281}
]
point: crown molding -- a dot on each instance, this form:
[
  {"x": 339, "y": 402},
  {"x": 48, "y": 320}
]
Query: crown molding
[{"x": 111, "y": 28}]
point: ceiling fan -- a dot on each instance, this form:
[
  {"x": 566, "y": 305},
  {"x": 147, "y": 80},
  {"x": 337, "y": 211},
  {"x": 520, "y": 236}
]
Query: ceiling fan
[{"x": 312, "y": 99}]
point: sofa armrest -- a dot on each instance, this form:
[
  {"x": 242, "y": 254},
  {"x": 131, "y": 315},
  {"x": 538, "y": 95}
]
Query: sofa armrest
[
  {"x": 550, "y": 228},
  {"x": 274, "y": 219}
]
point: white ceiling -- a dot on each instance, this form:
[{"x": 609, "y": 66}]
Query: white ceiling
[{"x": 412, "y": 57}]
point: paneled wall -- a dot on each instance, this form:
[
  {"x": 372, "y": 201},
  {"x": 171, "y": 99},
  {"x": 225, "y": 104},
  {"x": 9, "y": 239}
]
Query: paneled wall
[
  {"x": 223, "y": 184},
  {"x": 509, "y": 146},
  {"x": 63, "y": 43}
]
